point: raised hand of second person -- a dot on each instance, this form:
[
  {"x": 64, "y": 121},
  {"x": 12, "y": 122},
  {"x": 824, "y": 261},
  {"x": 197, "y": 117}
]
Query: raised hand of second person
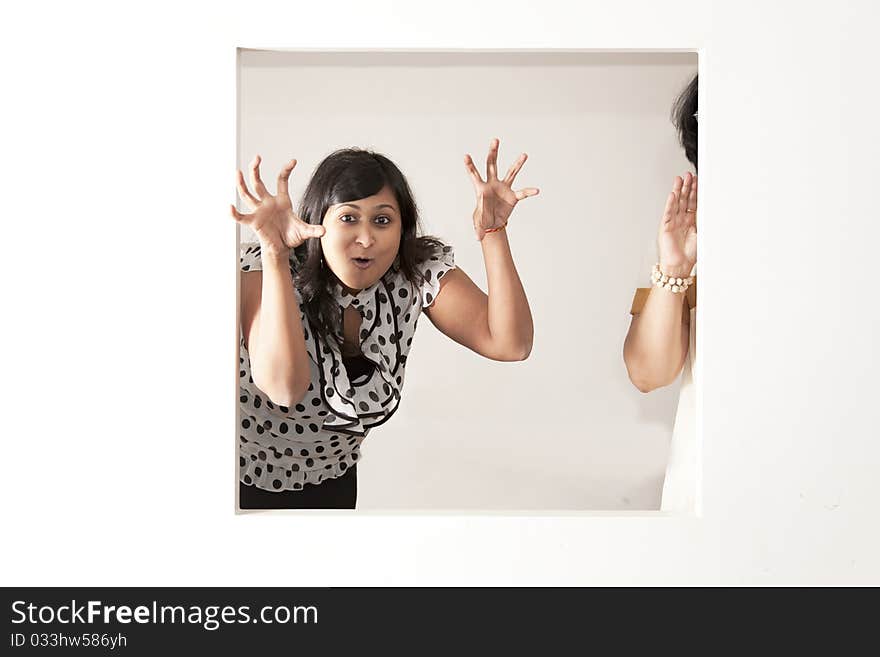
[
  {"x": 677, "y": 238},
  {"x": 273, "y": 220},
  {"x": 495, "y": 198}
]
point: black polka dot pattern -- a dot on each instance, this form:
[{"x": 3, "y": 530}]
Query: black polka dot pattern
[{"x": 319, "y": 437}]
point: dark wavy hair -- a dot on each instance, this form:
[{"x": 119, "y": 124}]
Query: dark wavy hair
[
  {"x": 683, "y": 117},
  {"x": 347, "y": 175}
]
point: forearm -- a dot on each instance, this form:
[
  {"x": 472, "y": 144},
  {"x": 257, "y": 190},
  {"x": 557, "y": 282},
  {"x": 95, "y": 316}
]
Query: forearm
[
  {"x": 509, "y": 318},
  {"x": 279, "y": 361},
  {"x": 655, "y": 347}
]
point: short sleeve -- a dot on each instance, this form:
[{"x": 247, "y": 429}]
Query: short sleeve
[
  {"x": 249, "y": 257},
  {"x": 249, "y": 260},
  {"x": 433, "y": 270},
  {"x": 641, "y": 295},
  {"x": 639, "y": 299}
]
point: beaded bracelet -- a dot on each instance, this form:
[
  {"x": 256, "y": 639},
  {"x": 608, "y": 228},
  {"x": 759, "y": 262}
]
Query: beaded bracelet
[{"x": 673, "y": 284}]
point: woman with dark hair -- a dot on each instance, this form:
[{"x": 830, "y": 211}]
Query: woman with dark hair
[
  {"x": 330, "y": 299},
  {"x": 661, "y": 341}
]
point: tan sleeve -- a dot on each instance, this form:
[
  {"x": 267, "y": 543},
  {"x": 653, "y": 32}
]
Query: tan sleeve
[
  {"x": 639, "y": 300},
  {"x": 642, "y": 293},
  {"x": 692, "y": 294}
]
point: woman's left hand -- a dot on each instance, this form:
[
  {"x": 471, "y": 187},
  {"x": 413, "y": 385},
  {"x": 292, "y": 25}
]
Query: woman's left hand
[{"x": 495, "y": 198}]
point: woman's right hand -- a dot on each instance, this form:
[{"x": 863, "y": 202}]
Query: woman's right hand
[
  {"x": 677, "y": 238},
  {"x": 273, "y": 220}
]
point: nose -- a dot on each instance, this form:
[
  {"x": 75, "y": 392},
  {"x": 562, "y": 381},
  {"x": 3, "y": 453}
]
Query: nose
[{"x": 365, "y": 237}]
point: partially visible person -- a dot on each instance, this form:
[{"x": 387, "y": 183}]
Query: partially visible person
[{"x": 661, "y": 342}]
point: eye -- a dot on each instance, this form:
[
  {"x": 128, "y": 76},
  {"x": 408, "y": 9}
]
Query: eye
[
  {"x": 348, "y": 218},
  {"x": 383, "y": 220}
]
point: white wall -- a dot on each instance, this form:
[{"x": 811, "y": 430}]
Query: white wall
[
  {"x": 120, "y": 264},
  {"x": 565, "y": 429}
]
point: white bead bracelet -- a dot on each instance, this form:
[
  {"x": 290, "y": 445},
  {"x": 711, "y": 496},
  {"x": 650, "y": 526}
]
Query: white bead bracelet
[{"x": 673, "y": 284}]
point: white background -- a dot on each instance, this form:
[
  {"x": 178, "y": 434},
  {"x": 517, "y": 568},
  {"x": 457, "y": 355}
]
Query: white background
[
  {"x": 117, "y": 313},
  {"x": 564, "y": 429}
]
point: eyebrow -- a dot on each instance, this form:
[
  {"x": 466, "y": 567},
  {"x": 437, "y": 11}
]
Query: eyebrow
[{"x": 357, "y": 207}]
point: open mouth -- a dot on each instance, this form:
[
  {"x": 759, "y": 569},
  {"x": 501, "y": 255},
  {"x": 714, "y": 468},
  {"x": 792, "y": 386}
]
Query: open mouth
[{"x": 362, "y": 263}]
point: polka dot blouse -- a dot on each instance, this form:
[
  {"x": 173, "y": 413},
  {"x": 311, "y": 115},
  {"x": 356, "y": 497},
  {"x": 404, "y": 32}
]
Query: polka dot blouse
[{"x": 283, "y": 448}]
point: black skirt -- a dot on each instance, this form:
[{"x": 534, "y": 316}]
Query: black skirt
[{"x": 338, "y": 493}]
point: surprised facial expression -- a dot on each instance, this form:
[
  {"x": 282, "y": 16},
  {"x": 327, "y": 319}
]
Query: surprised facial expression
[{"x": 362, "y": 238}]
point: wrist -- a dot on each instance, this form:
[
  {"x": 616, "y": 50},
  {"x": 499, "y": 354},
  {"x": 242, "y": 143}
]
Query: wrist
[
  {"x": 497, "y": 239},
  {"x": 676, "y": 270},
  {"x": 272, "y": 254},
  {"x": 495, "y": 233}
]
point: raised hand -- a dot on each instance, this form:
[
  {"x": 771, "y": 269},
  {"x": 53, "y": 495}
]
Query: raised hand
[
  {"x": 495, "y": 198},
  {"x": 273, "y": 220},
  {"x": 677, "y": 238}
]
